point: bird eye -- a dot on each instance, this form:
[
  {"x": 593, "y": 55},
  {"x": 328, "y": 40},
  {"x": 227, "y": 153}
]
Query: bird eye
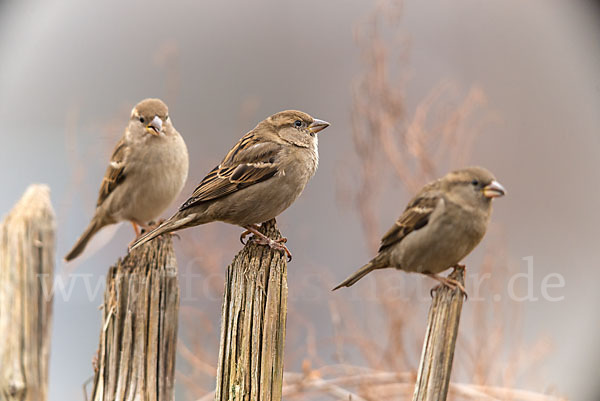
[
  {"x": 142, "y": 120},
  {"x": 474, "y": 183},
  {"x": 298, "y": 123}
]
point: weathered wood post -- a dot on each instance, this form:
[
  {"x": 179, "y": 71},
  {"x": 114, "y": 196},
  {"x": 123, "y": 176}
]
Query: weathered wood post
[
  {"x": 138, "y": 338},
  {"x": 433, "y": 377},
  {"x": 253, "y": 324},
  {"x": 27, "y": 249}
]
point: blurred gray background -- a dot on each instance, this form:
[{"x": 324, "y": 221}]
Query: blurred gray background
[{"x": 70, "y": 73}]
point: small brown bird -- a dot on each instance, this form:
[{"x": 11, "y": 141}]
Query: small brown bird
[
  {"x": 441, "y": 225},
  {"x": 147, "y": 171},
  {"x": 261, "y": 176}
]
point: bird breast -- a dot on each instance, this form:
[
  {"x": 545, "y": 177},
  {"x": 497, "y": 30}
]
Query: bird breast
[
  {"x": 441, "y": 244},
  {"x": 154, "y": 176}
]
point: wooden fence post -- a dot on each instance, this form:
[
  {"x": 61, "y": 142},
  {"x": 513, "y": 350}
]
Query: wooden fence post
[
  {"x": 27, "y": 249},
  {"x": 433, "y": 377},
  {"x": 253, "y": 324},
  {"x": 138, "y": 337}
]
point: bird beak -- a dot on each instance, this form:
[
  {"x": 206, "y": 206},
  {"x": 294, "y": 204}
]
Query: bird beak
[
  {"x": 155, "y": 126},
  {"x": 494, "y": 190},
  {"x": 317, "y": 125}
]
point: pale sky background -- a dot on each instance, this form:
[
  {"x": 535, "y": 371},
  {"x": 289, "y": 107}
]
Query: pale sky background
[{"x": 69, "y": 68}]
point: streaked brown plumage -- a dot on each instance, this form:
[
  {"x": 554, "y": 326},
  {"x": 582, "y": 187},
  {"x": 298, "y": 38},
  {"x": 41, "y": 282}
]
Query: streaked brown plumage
[
  {"x": 147, "y": 171},
  {"x": 441, "y": 225},
  {"x": 260, "y": 177}
]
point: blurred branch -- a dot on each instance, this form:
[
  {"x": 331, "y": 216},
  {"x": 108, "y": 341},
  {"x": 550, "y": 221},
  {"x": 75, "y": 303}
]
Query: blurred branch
[
  {"x": 397, "y": 149},
  {"x": 347, "y": 382}
]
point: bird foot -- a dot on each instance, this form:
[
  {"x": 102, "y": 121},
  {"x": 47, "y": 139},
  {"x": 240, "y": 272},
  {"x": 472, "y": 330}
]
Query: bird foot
[
  {"x": 261, "y": 239},
  {"x": 243, "y": 236},
  {"x": 136, "y": 229},
  {"x": 248, "y": 232},
  {"x": 448, "y": 282},
  {"x": 277, "y": 244}
]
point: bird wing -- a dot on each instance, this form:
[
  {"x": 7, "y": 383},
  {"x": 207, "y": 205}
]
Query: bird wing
[
  {"x": 115, "y": 172},
  {"x": 415, "y": 216},
  {"x": 252, "y": 160}
]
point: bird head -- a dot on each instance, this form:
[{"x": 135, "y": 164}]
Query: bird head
[
  {"x": 296, "y": 127},
  {"x": 474, "y": 185},
  {"x": 151, "y": 116}
]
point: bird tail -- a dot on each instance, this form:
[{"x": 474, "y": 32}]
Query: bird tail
[
  {"x": 360, "y": 273},
  {"x": 174, "y": 223},
  {"x": 91, "y": 229}
]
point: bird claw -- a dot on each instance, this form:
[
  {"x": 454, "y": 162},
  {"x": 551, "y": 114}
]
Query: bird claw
[
  {"x": 261, "y": 239},
  {"x": 284, "y": 248},
  {"x": 448, "y": 282},
  {"x": 277, "y": 244},
  {"x": 244, "y": 235},
  {"x": 251, "y": 229}
]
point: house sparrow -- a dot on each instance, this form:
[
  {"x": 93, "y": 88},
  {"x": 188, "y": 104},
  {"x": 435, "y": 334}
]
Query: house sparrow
[
  {"x": 147, "y": 171},
  {"x": 439, "y": 227},
  {"x": 261, "y": 176}
]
